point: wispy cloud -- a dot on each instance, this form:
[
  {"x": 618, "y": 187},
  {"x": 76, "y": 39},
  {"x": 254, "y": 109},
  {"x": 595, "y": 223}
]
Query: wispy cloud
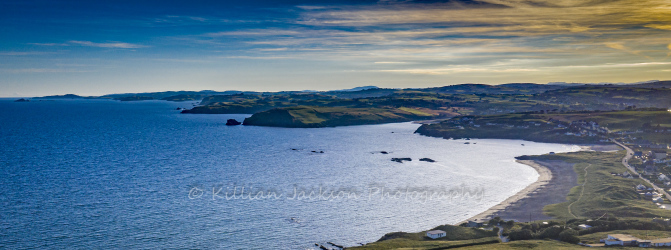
[
  {"x": 43, "y": 70},
  {"x": 50, "y": 44},
  {"x": 24, "y": 53},
  {"x": 477, "y": 34},
  {"x": 452, "y": 70},
  {"x": 116, "y": 45}
]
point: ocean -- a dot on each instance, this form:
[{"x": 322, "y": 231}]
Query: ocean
[{"x": 89, "y": 174}]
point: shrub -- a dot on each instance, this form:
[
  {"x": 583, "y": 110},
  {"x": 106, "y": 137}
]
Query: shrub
[
  {"x": 520, "y": 235},
  {"x": 569, "y": 235}
]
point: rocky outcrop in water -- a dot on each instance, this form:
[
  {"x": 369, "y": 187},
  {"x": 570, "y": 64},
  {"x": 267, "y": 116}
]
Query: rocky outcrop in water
[
  {"x": 232, "y": 122},
  {"x": 401, "y": 160}
]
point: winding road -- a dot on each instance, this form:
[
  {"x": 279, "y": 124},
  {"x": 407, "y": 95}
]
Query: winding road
[{"x": 625, "y": 162}]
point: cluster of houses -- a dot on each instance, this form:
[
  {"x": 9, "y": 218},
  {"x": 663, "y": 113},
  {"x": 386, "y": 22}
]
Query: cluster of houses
[
  {"x": 581, "y": 128},
  {"x": 589, "y": 125},
  {"x": 650, "y": 194},
  {"x": 628, "y": 240},
  {"x": 652, "y": 156},
  {"x": 650, "y": 160}
]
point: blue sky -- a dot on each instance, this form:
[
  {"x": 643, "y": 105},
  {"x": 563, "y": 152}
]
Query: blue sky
[{"x": 101, "y": 47}]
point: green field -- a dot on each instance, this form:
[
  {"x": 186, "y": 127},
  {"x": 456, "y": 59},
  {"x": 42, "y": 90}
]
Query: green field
[
  {"x": 641, "y": 234},
  {"x": 621, "y": 120},
  {"x": 531, "y": 244},
  {"x": 603, "y": 192},
  {"x": 456, "y": 236},
  {"x": 312, "y": 117},
  {"x": 544, "y": 127}
]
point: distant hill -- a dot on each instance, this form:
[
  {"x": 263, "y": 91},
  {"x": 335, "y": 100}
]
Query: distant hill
[
  {"x": 165, "y": 95},
  {"x": 358, "y": 88},
  {"x": 656, "y": 85},
  {"x": 510, "y": 88},
  {"x": 66, "y": 96}
]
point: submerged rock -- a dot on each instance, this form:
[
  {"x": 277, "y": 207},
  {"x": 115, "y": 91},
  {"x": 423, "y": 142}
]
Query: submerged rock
[
  {"x": 232, "y": 122},
  {"x": 401, "y": 160},
  {"x": 427, "y": 160}
]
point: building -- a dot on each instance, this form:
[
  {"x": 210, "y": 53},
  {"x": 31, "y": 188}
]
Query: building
[
  {"x": 640, "y": 187},
  {"x": 435, "y": 234},
  {"x": 474, "y": 223},
  {"x": 644, "y": 243},
  {"x": 665, "y": 242},
  {"x": 659, "y": 155},
  {"x": 584, "y": 226},
  {"x": 621, "y": 239}
]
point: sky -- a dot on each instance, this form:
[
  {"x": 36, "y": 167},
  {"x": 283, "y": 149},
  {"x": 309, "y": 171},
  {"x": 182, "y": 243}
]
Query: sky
[{"x": 101, "y": 47}]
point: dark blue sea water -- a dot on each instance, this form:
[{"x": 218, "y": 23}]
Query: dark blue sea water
[{"x": 90, "y": 174}]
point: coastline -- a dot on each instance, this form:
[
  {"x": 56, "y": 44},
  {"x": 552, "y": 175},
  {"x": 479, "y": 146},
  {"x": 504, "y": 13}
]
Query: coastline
[
  {"x": 544, "y": 178},
  {"x": 555, "y": 181}
]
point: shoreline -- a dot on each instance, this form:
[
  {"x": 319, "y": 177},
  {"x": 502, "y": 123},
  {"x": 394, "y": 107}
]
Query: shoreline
[
  {"x": 544, "y": 178},
  {"x": 541, "y": 190}
]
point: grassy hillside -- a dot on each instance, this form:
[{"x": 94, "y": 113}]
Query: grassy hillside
[
  {"x": 530, "y": 127},
  {"x": 641, "y": 234},
  {"x": 456, "y": 236},
  {"x": 554, "y": 126},
  {"x": 603, "y": 192},
  {"x": 532, "y": 244},
  {"x": 312, "y": 117},
  {"x": 605, "y": 97},
  {"x": 620, "y": 120}
]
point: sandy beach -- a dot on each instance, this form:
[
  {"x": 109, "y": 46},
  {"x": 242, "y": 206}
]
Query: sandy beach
[
  {"x": 600, "y": 147},
  {"x": 555, "y": 181}
]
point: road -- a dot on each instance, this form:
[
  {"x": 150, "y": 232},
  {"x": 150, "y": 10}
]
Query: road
[
  {"x": 502, "y": 238},
  {"x": 625, "y": 162}
]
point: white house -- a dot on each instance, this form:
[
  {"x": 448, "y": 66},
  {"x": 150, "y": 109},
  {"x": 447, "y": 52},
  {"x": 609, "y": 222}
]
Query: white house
[
  {"x": 621, "y": 239},
  {"x": 658, "y": 200},
  {"x": 665, "y": 242},
  {"x": 435, "y": 234},
  {"x": 584, "y": 226}
]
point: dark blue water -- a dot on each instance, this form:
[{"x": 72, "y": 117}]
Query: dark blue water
[{"x": 104, "y": 174}]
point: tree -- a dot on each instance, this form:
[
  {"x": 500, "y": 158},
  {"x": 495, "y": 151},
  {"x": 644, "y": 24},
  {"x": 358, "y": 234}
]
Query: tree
[
  {"x": 520, "y": 235},
  {"x": 569, "y": 235},
  {"x": 551, "y": 232}
]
